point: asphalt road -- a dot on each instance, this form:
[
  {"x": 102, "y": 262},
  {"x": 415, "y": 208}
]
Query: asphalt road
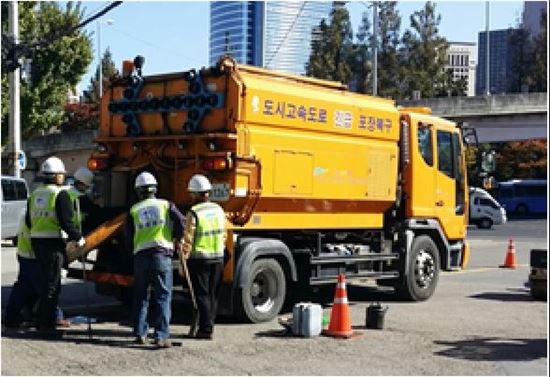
[{"x": 480, "y": 321}]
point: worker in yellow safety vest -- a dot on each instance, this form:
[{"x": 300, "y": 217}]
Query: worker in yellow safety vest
[
  {"x": 87, "y": 214},
  {"x": 49, "y": 213},
  {"x": 26, "y": 289},
  {"x": 153, "y": 227},
  {"x": 204, "y": 244}
]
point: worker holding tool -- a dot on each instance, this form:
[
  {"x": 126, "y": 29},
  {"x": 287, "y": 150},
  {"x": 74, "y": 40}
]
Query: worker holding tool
[
  {"x": 49, "y": 212},
  {"x": 203, "y": 244},
  {"x": 153, "y": 228},
  {"x": 26, "y": 289}
]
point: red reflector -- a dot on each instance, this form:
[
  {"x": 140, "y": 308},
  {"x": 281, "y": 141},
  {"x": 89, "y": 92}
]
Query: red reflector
[{"x": 215, "y": 164}]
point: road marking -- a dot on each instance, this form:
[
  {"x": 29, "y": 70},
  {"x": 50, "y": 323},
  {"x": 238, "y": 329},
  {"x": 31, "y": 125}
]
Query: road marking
[{"x": 479, "y": 269}]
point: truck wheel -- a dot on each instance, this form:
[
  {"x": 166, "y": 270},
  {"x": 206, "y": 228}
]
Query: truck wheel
[
  {"x": 262, "y": 298},
  {"x": 420, "y": 282},
  {"x": 485, "y": 223}
]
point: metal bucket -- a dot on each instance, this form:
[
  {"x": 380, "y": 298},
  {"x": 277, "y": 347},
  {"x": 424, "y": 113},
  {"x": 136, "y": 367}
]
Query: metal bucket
[{"x": 375, "y": 316}]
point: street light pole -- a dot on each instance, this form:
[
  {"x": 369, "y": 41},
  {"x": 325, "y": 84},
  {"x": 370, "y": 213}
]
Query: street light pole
[
  {"x": 375, "y": 48},
  {"x": 487, "y": 52},
  {"x": 15, "y": 109}
]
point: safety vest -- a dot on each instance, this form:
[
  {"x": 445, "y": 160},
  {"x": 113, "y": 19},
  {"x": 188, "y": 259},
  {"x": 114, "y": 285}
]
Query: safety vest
[
  {"x": 24, "y": 248},
  {"x": 210, "y": 230},
  {"x": 44, "y": 222},
  {"x": 78, "y": 215},
  {"x": 152, "y": 224}
]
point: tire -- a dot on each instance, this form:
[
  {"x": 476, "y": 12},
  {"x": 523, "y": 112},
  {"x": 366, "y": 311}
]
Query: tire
[
  {"x": 522, "y": 210},
  {"x": 485, "y": 223},
  {"x": 419, "y": 284},
  {"x": 263, "y": 296}
]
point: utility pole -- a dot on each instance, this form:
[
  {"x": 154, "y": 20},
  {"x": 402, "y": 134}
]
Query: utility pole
[
  {"x": 375, "y": 48},
  {"x": 487, "y": 54},
  {"x": 15, "y": 108}
]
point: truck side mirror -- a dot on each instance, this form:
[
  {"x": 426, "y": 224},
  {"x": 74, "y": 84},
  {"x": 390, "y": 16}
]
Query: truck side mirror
[{"x": 488, "y": 162}]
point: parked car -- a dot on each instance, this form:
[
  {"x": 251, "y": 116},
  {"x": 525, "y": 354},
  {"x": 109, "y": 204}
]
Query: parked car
[
  {"x": 14, "y": 202},
  {"x": 485, "y": 211}
]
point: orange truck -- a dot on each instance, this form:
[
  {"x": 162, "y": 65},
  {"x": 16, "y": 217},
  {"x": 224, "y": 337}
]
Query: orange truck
[{"x": 315, "y": 180}]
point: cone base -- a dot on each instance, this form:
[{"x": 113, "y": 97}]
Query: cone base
[
  {"x": 339, "y": 334},
  {"x": 505, "y": 266}
]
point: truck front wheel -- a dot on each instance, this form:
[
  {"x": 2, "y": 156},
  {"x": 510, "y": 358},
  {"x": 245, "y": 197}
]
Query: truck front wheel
[
  {"x": 263, "y": 295},
  {"x": 423, "y": 270}
]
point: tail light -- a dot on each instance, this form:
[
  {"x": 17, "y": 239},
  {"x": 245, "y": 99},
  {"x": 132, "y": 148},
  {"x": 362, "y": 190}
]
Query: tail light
[
  {"x": 217, "y": 163},
  {"x": 95, "y": 163}
]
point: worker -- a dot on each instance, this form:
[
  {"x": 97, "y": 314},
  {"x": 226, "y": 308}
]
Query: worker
[
  {"x": 153, "y": 229},
  {"x": 26, "y": 289},
  {"x": 87, "y": 214},
  {"x": 49, "y": 212},
  {"x": 203, "y": 244}
]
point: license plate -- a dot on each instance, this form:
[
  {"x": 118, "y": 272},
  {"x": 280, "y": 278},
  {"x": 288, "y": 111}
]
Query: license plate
[{"x": 220, "y": 192}]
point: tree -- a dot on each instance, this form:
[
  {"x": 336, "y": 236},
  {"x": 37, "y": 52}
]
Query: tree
[
  {"x": 108, "y": 70},
  {"x": 55, "y": 69},
  {"x": 389, "y": 67},
  {"x": 360, "y": 58},
  {"x": 521, "y": 49},
  {"x": 522, "y": 159},
  {"x": 539, "y": 69},
  {"x": 331, "y": 48},
  {"x": 449, "y": 87},
  {"x": 424, "y": 53}
]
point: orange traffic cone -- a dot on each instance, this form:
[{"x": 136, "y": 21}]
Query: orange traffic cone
[
  {"x": 340, "y": 323},
  {"x": 510, "y": 261}
]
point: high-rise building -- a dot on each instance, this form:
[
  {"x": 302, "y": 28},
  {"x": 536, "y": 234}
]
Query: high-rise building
[
  {"x": 532, "y": 12},
  {"x": 462, "y": 61},
  {"x": 500, "y": 62},
  {"x": 270, "y": 34}
]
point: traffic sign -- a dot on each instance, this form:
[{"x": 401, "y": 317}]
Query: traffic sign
[{"x": 22, "y": 160}]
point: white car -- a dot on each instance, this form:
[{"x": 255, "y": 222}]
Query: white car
[
  {"x": 14, "y": 196},
  {"x": 485, "y": 211}
]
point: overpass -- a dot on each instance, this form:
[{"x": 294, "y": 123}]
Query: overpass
[{"x": 502, "y": 117}]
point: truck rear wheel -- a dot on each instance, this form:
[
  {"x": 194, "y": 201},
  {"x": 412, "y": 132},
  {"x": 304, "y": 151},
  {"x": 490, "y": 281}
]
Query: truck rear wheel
[
  {"x": 262, "y": 297},
  {"x": 423, "y": 272}
]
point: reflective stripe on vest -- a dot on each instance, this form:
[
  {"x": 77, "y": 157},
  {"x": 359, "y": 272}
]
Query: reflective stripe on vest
[
  {"x": 152, "y": 225},
  {"x": 210, "y": 230},
  {"x": 24, "y": 248},
  {"x": 44, "y": 222},
  {"x": 78, "y": 215}
]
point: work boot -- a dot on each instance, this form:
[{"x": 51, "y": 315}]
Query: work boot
[
  {"x": 204, "y": 335},
  {"x": 63, "y": 323},
  {"x": 141, "y": 340},
  {"x": 164, "y": 343}
]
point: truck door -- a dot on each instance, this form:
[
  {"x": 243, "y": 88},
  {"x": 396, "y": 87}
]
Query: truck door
[{"x": 450, "y": 198}]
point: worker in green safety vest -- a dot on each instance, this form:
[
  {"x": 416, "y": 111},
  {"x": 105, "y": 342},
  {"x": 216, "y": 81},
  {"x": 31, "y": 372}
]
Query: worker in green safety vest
[
  {"x": 204, "y": 244},
  {"x": 49, "y": 213},
  {"x": 87, "y": 214},
  {"x": 26, "y": 289},
  {"x": 153, "y": 227}
]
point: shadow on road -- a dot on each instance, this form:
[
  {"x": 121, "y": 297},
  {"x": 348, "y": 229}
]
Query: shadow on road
[
  {"x": 494, "y": 349},
  {"x": 517, "y": 295}
]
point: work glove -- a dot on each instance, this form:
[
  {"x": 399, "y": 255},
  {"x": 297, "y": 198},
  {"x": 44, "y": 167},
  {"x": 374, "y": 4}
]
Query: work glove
[{"x": 75, "y": 249}]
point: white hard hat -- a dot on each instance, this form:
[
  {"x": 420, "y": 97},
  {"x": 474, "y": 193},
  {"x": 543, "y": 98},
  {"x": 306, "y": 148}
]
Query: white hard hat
[
  {"x": 53, "y": 165},
  {"x": 145, "y": 179},
  {"x": 199, "y": 183},
  {"x": 85, "y": 176}
]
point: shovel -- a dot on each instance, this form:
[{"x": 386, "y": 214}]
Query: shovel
[{"x": 195, "y": 318}]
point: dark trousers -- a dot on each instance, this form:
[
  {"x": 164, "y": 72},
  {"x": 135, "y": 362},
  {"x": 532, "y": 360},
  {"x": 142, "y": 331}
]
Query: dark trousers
[
  {"x": 50, "y": 256},
  {"x": 206, "y": 277}
]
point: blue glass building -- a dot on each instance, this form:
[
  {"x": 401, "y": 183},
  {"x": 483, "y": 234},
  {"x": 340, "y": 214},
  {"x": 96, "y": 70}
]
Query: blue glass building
[
  {"x": 500, "y": 62},
  {"x": 271, "y": 34}
]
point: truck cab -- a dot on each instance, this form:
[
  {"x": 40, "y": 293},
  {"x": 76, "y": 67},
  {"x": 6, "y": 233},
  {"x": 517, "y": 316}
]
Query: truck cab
[{"x": 485, "y": 211}]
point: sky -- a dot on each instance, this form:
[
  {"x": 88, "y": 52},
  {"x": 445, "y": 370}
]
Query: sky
[{"x": 173, "y": 35}]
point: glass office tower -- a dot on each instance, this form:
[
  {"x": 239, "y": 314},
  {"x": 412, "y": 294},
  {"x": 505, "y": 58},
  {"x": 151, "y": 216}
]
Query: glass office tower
[{"x": 271, "y": 34}]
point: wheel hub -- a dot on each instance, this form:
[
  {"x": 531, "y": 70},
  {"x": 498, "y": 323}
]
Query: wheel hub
[
  {"x": 262, "y": 291},
  {"x": 424, "y": 269}
]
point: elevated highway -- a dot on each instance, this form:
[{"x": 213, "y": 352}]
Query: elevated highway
[{"x": 496, "y": 118}]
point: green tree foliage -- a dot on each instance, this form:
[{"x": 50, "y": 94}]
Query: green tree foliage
[
  {"x": 361, "y": 57},
  {"x": 424, "y": 53},
  {"x": 389, "y": 66},
  {"x": 521, "y": 59},
  {"x": 108, "y": 71},
  {"x": 331, "y": 48},
  {"x": 449, "y": 87},
  {"x": 539, "y": 69},
  {"x": 522, "y": 159},
  {"x": 55, "y": 69}
]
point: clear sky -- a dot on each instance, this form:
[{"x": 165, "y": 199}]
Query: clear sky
[{"x": 173, "y": 35}]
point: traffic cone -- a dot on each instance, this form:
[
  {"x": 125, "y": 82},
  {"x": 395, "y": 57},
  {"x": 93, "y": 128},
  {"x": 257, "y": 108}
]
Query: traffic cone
[
  {"x": 340, "y": 323},
  {"x": 510, "y": 261}
]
